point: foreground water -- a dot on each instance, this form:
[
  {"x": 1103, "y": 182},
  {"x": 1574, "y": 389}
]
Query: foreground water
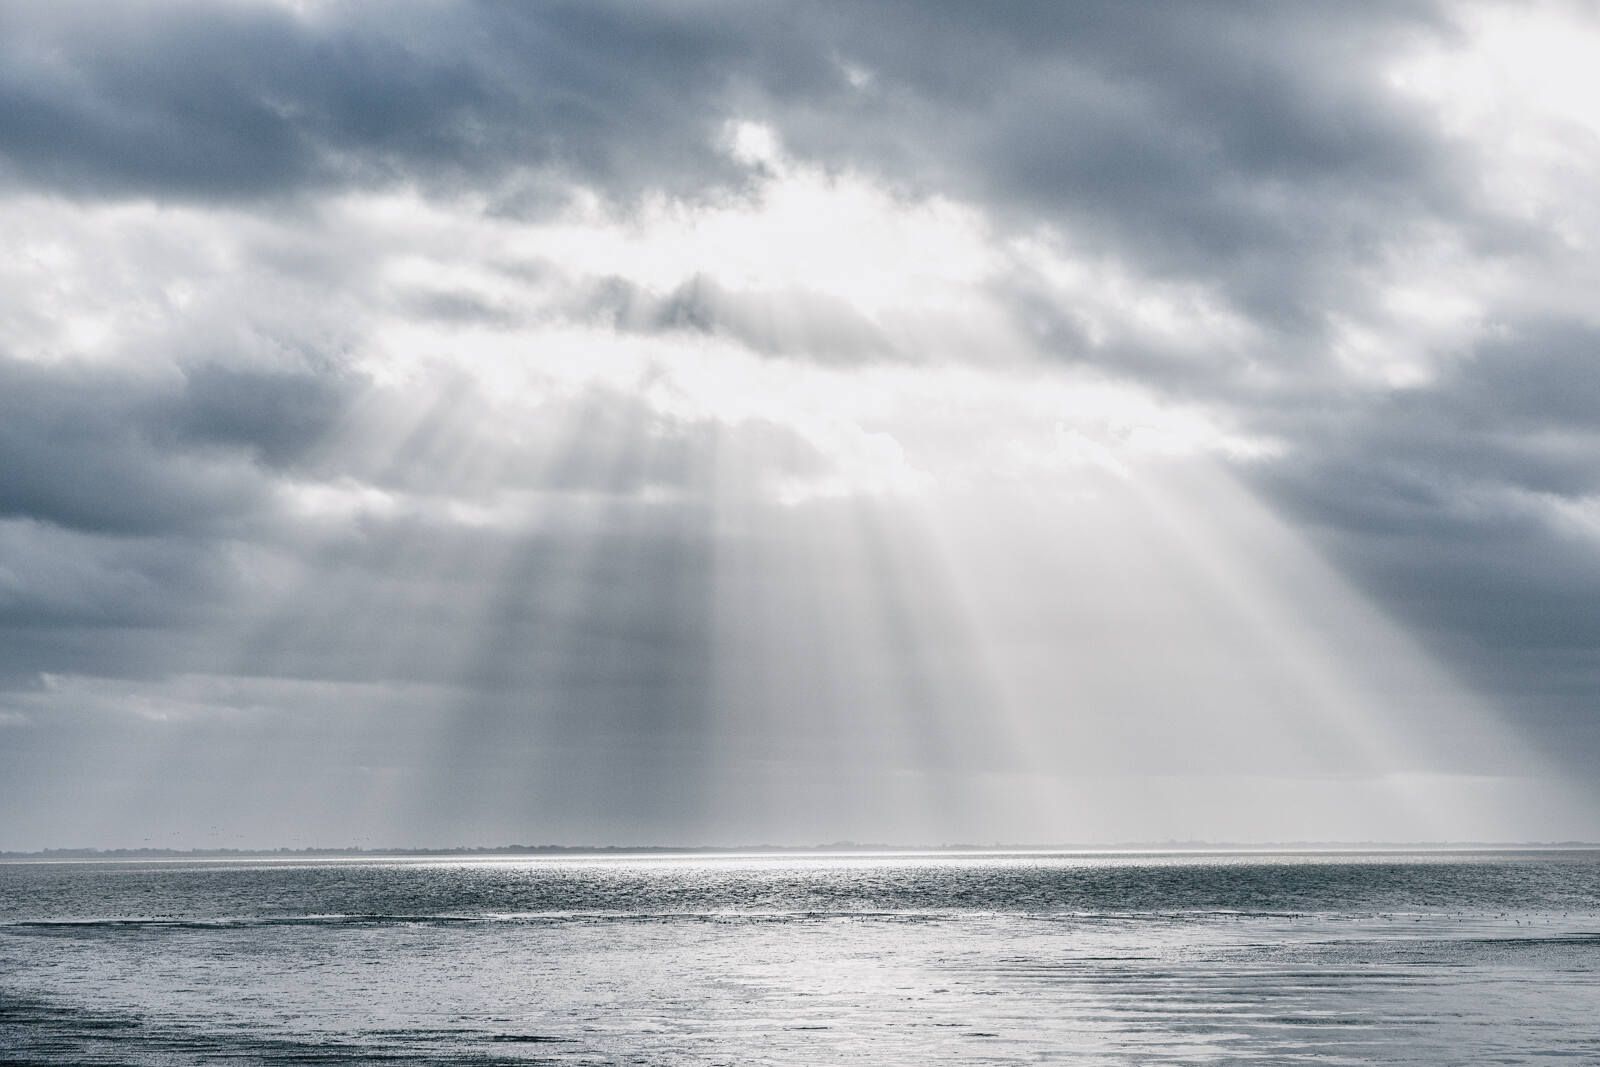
[{"x": 1334, "y": 958}]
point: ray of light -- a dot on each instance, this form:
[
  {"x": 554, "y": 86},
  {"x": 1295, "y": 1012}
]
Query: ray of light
[{"x": 568, "y": 577}]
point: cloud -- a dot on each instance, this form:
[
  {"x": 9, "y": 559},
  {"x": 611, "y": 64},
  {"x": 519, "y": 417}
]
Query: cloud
[
  {"x": 79, "y": 449},
  {"x": 796, "y": 322},
  {"x": 499, "y": 351},
  {"x": 250, "y": 101},
  {"x": 1466, "y": 507}
]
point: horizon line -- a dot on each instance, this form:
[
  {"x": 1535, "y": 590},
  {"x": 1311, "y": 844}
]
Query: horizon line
[{"x": 835, "y": 847}]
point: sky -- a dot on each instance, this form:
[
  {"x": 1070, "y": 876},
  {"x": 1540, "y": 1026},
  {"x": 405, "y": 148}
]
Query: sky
[{"x": 448, "y": 423}]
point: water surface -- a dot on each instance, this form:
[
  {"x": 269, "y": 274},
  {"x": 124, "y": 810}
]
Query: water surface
[{"x": 1438, "y": 958}]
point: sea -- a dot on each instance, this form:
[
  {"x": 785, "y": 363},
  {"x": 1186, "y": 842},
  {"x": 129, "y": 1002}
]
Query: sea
[{"x": 985, "y": 958}]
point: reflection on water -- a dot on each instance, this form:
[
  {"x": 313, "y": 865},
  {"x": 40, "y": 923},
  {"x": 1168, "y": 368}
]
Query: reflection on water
[{"x": 1126, "y": 959}]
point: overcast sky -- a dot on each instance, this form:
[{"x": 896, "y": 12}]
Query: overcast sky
[{"x": 437, "y": 423}]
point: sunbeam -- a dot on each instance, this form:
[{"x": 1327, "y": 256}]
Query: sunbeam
[
  {"x": 824, "y": 507},
  {"x": 802, "y": 534}
]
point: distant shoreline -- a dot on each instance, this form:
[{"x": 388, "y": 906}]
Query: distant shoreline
[{"x": 834, "y": 849}]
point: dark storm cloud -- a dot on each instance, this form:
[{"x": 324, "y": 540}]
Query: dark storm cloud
[
  {"x": 128, "y": 452},
  {"x": 121, "y": 492},
  {"x": 1256, "y": 146},
  {"x": 54, "y": 578},
  {"x": 275, "y": 416},
  {"x": 78, "y": 449},
  {"x": 207, "y": 101},
  {"x": 1504, "y": 427},
  {"x": 1459, "y": 507},
  {"x": 191, "y": 100}
]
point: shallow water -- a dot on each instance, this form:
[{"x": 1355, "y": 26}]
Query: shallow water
[{"x": 1333, "y": 958}]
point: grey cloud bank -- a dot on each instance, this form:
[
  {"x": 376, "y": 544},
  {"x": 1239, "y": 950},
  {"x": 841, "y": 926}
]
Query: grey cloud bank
[{"x": 478, "y": 415}]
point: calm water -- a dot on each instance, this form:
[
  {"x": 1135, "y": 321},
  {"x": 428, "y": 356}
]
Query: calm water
[{"x": 1429, "y": 958}]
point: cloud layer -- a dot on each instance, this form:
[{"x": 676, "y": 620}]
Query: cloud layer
[{"x": 516, "y": 421}]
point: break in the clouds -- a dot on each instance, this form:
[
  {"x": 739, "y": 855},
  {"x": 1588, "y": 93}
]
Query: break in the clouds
[{"x": 448, "y": 422}]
